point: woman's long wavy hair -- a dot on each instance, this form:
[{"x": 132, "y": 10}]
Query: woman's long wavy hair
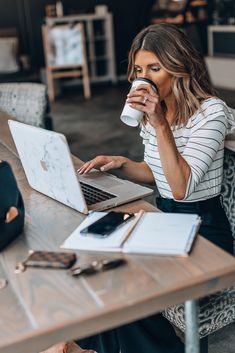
[{"x": 190, "y": 80}]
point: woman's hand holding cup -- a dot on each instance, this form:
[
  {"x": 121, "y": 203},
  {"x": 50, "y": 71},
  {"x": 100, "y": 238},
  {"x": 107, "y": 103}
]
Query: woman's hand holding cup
[{"x": 142, "y": 97}]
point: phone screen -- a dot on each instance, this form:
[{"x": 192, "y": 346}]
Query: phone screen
[{"x": 107, "y": 224}]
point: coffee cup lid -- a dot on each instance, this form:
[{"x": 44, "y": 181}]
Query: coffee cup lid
[{"x": 148, "y": 81}]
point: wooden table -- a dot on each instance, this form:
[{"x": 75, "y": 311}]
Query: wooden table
[{"x": 41, "y": 307}]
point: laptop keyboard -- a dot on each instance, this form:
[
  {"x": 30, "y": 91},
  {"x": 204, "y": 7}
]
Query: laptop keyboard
[{"x": 93, "y": 195}]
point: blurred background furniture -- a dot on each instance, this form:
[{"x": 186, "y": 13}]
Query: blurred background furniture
[
  {"x": 26, "y": 102},
  {"x": 65, "y": 55},
  {"x": 191, "y": 15},
  {"x": 15, "y": 65},
  {"x": 228, "y": 190},
  {"x": 98, "y": 31},
  {"x": 9, "y": 47},
  {"x": 221, "y": 54}
]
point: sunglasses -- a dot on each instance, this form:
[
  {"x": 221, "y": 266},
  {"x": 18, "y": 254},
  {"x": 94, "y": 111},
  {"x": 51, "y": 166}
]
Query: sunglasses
[{"x": 97, "y": 266}]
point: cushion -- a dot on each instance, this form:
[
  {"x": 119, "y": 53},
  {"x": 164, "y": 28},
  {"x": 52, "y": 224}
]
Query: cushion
[
  {"x": 25, "y": 102},
  {"x": 215, "y": 312},
  {"x": 230, "y": 137},
  {"x": 8, "y": 55},
  {"x": 228, "y": 188}
]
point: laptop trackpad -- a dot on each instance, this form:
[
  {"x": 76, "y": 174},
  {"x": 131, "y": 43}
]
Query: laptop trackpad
[{"x": 101, "y": 179}]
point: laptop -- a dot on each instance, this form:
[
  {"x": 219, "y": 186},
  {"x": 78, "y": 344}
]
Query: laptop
[{"x": 46, "y": 159}]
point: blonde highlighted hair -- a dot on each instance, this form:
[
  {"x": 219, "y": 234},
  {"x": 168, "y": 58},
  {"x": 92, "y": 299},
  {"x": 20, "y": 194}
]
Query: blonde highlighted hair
[{"x": 190, "y": 80}]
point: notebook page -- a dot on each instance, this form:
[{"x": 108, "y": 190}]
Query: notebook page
[
  {"x": 78, "y": 241},
  {"x": 163, "y": 233}
]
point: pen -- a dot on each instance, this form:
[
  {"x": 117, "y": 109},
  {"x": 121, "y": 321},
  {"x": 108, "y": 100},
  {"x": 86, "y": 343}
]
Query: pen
[{"x": 132, "y": 226}]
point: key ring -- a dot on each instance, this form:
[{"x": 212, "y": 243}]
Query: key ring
[
  {"x": 21, "y": 266},
  {"x": 3, "y": 283},
  {"x": 97, "y": 266}
]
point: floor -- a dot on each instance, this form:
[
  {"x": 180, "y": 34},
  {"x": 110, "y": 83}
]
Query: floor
[{"x": 93, "y": 128}]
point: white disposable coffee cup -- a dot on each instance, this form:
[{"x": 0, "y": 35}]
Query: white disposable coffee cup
[{"x": 131, "y": 116}]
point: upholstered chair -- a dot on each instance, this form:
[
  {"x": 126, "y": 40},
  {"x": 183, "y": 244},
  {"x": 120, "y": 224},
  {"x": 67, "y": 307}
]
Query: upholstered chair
[
  {"x": 26, "y": 102},
  {"x": 217, "y": 310}
]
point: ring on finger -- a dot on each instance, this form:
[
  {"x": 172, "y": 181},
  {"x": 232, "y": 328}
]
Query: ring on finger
[{"x": 145, "y": 100}]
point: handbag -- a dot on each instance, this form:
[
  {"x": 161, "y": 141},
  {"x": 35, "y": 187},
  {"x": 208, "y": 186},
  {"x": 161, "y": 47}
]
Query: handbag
[{"x": 11, "y": 206}]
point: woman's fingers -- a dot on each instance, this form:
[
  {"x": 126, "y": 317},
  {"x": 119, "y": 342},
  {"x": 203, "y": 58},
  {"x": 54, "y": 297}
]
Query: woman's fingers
[
  {"x": 70, "y": 347},
  {"x": 108, "y": 166},
  {"x": 57, "y": 348},
  {"x": 87, "y": 167},
  {"x": 103, "y": 162},
  {"x": 75, "y": 348},
  {"x": 145, "y": 99},
  {"x": 114, "y": 164},
  {"x": 146, "y": 104},
  {"x": 144, "y": 89},
  {"x": 142, "y": 95},
  {"x": 94, "y": 163}
]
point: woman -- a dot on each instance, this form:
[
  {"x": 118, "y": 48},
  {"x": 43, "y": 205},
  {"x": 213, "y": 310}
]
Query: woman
[{"x": 183, "y": 131}]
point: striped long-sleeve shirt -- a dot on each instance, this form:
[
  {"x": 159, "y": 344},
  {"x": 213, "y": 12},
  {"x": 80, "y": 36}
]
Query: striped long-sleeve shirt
[{"x": 201, "y": 144}]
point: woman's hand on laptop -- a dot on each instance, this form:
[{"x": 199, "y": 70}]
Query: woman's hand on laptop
[{"x": 104, "y": 163}]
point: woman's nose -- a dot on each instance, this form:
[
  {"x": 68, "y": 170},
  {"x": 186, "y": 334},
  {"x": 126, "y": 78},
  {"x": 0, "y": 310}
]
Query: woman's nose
[{"x": 145, "y": 74}]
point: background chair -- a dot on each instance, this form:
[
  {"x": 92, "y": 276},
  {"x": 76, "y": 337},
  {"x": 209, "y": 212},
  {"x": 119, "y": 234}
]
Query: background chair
[
  {"x": 26, "y": 102},
  {"x": 65, "y": 56},
  {"x": 217, "y": 310}
]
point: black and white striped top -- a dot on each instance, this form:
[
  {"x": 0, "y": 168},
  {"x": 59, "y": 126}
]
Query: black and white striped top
[{"x": 201, "y": 144}]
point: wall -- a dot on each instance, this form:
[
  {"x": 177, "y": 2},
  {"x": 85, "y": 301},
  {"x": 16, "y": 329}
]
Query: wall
[
  {"x": 27, "y": 15},
  {"x": 221, "y": 71},
  {"x": 130, "y": 16},
  {"x": 128, "y": 21}
]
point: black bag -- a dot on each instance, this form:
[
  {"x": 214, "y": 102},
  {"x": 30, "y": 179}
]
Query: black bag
[{"x": 9, "y": 197}]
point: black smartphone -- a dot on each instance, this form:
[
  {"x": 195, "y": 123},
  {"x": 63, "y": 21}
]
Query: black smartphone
[{"x": 107, "y": 224}]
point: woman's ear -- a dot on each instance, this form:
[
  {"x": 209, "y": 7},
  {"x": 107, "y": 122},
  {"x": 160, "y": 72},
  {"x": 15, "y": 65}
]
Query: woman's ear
[{"x": 11, "y": 214}]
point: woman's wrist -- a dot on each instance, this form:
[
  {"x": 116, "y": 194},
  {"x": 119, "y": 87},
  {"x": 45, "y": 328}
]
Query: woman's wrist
[{"x": 124, "y": 161}]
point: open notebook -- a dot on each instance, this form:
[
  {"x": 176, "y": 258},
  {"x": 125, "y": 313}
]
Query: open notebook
[{"x": 154, "y": 233}]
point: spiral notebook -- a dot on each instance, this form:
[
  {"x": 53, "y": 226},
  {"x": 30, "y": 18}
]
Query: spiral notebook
[{"x": 148, "y": 233}]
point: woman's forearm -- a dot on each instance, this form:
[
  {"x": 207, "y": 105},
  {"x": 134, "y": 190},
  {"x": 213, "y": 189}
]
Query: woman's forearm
[
  {"x": 175, "y": 168},
  {"x": 137, "y": 171}
]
